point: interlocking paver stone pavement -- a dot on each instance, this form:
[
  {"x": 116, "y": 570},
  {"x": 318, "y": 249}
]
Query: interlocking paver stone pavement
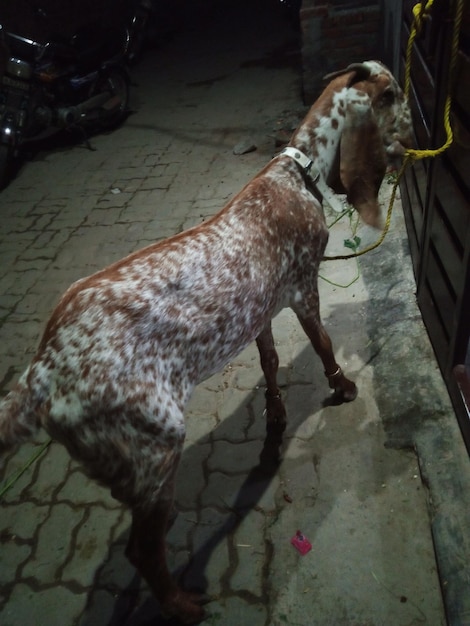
[{"x": 364, "y": 506}]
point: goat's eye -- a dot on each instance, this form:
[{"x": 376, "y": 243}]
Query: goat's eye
[{"x": 388, "y": 97}]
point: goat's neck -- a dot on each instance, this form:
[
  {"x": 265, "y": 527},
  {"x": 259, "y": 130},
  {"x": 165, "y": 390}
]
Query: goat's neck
[{"x": 319, "y": 134}]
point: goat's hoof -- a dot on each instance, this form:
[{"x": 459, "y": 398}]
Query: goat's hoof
[
  {"x": 347, "y": 392},
  {"x": 186, "y": 607},
  {"x": 350, "y": 393},
  {"x": 344, "y": 389}
]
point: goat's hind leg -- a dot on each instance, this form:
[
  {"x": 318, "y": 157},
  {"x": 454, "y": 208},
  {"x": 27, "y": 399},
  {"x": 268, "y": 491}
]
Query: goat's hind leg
[
  {"x": 137, "y": 460},
  {"x": 345, "y": 390},
  {"x": 275, "y": 410},
  {"x": 146, "y": 550},
  {"x": 146, "y": 484}
]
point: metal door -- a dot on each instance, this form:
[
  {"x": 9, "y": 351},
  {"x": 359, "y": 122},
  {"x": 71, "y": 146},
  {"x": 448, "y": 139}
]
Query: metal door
[{"x": 436, "y": 194}]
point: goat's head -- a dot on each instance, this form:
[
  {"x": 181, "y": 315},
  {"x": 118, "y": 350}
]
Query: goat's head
[{"x": 377, "y": 128}]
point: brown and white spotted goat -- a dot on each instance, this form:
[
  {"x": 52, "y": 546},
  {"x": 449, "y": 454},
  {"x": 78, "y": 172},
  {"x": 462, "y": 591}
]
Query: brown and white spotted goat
[{"x": 125, "y": 347}]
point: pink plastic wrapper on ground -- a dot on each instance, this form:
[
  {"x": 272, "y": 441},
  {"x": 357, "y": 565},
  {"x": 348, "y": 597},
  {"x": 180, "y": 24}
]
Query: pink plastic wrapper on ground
[{"x": 301, "y": 543}]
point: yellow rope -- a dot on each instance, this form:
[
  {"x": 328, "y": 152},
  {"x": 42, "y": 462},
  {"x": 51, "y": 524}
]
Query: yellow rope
[
  {"x": 420, "y": 11},
  {"x": 423, "y": 12}
]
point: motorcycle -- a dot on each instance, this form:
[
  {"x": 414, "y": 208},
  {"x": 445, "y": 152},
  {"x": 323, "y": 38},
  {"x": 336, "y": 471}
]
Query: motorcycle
[{"x": 79, "y": 82}]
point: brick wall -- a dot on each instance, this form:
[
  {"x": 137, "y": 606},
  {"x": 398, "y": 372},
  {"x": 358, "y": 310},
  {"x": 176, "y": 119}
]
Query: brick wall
[{"x": 334, "y": 34}]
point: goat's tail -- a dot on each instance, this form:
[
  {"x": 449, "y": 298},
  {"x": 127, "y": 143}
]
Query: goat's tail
[{"x": 19, "y": 420}]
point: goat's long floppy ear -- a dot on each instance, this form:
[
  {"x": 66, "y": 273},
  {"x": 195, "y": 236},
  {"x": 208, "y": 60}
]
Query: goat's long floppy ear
[
  {"x": 358, "y": 71},
  {"x": 362, "y": 160}
]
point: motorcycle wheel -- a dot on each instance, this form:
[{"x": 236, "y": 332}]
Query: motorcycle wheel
[
  {"x": 116, "y": 81},
  {"x": 5, "y": 165}
]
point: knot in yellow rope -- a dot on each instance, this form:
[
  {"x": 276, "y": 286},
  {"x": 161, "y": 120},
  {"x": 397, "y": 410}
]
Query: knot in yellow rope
[{"x": 421, "y": 11}]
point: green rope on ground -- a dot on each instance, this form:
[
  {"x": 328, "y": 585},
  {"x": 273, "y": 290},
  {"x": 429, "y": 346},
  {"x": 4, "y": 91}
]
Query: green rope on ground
[{"x": 12, "y": 480}]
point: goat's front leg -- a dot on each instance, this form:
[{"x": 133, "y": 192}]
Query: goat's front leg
[
  {"x": 344, "y": 389},
  {"x": 275, "y": 410}
]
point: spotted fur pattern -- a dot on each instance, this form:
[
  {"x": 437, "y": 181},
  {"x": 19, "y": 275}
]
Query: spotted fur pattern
[{"x": 125, "y": 347}]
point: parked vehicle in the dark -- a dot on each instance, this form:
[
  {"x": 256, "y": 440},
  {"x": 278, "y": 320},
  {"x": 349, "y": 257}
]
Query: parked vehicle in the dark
[{"x": 66, "y": 82}]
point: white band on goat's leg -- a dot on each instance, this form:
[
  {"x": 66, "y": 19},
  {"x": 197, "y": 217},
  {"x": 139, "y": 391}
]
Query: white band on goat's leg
[{"x": 335, "y": 374}]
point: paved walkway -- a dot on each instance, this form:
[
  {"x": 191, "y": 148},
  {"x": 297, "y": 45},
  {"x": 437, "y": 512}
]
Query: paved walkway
[{"x": 349, "y": 478}]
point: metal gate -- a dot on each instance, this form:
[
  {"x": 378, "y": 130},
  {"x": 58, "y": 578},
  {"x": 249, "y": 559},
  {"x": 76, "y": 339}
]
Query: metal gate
[{"x": 436, "y": 195}]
